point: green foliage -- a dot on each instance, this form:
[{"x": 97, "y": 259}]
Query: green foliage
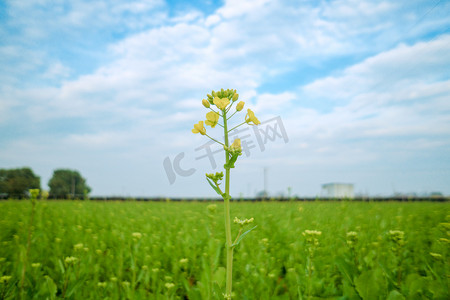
[
  {"x": 16, "y": 182},
  {"x": 173, "y": 250},
  {"x": 68, "y": 184}
]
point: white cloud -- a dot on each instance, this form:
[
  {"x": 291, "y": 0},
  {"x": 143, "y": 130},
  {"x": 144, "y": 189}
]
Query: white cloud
[{"x": 405, "y": 65}]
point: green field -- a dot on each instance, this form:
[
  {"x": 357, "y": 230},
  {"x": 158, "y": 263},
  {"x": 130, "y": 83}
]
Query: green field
[{"x": 135, "y": 250}]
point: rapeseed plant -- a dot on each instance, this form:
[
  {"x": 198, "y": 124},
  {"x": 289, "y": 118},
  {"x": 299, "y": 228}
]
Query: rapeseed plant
[
  {"x": 34, "y": 194},
  {"x": 312, "y": 243},
  {"x": 223, "y": 101}
]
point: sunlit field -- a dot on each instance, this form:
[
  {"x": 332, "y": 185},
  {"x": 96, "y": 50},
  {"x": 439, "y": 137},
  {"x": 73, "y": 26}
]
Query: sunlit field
[{"x": 168, "y": 250}]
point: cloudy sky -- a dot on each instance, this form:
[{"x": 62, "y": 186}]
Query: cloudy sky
[{"x": 349, "y": 91}]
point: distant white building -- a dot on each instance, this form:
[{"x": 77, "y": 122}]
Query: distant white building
[{"x": 338, "y": 190}]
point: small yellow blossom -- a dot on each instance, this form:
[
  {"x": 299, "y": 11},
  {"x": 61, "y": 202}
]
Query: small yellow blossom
[
  {"x": 137, "y": 235},
  {"x": 212, "y": 208},
  {"x": 240, "y": 106},
  {"x": 250, "y": 117},
  {"x": 199, "y": 128},
  {"x": 235, "y": 97},
  {"x": 221, "y": 103},
  {"x": 236, "y": 145},
  {"x": 5, "y": 279},
  {"x": 212, "y": 118},
  {"x": 205, "y": 103},
  {"x": 184, "y": 261},
  {"x": 312, "y": 232},
  {"x": 169, "y": 285},
  {"x": 70, "y": 260}
]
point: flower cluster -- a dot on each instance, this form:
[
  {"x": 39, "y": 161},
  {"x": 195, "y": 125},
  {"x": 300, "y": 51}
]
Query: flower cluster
[
  {"x": 70, "y": 260},
  {"x": 311, "y": 237},
  {"x": 243, "y": 222},
  {"x": 34, "y": 193},
  {"x": 223, "y": 100},
  {"x": 136, "y": 236},
  {"x": 397, "y": 237},
  {"x": 352, "y": 239},
  {"x": 218, "y": 176}
]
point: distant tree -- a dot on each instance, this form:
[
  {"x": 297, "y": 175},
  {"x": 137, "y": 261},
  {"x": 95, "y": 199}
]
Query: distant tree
[
  {"x": 68, "y": 184},
  {"x": 15, "y": 183}
]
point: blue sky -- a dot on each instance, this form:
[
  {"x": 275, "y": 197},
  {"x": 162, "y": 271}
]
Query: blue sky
[{"x": 113, "y": 88}]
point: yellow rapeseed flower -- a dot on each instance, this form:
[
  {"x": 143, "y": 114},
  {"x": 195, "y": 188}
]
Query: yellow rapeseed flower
[
  {"x": 221, "y": 103},
  {"x": 250, "y": 117},
  {"x": 199, "y": 128},
  {"x": 240, "y": 106},
  {"x": 212, "y": 118}
]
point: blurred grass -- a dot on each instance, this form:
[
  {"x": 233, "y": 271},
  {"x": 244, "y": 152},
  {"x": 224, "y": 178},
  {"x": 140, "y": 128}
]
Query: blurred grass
[{"x": 173, "y": 250}]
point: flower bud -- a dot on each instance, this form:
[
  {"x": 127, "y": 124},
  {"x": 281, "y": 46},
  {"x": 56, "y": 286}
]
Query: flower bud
[
  {"x": 236, "y": 145},
  {"x": 235, "y": 97},
  {"x": 240, "y": 105},
  {"x": 205, "y": 103}
]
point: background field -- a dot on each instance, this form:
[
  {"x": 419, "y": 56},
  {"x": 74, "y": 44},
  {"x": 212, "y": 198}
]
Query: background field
[{"x": 166, "y": 250}]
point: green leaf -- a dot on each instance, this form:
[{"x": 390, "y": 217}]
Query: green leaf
[
  {"x": 242, "y": 236},
  {"x": 416, "y": 285},
  {"x": 346, "y": 269},
  {"x": 371, "y": 284},
  {"x": 219, "y": 276},
  {"x": 395, "y": 295},
  {"x": 48, "y": 289},
  {"x": 213, "y": 186}
]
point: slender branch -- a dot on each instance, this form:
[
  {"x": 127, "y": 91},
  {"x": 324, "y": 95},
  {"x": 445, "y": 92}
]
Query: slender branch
[
  {"x": 232, "y": 115},
  {"x": 214, "y": 140},
  {"x": 236, "y": 126},
  {"x": 237, "y": 237}
]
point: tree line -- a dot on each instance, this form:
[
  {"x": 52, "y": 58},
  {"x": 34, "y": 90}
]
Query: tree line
[{"x": 64, "y": 184}]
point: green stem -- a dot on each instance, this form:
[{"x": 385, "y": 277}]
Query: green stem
[{"x": 228, "y": 217}]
